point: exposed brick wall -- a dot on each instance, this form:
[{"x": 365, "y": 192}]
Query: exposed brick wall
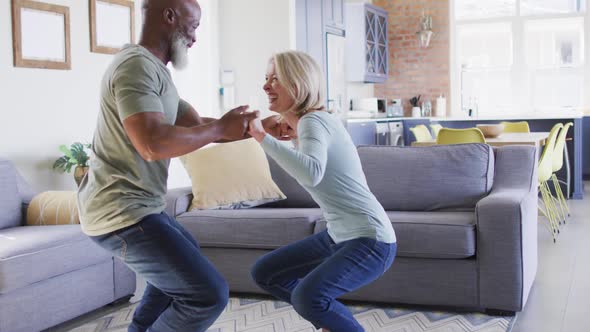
[{"x": 413, "y": 70}]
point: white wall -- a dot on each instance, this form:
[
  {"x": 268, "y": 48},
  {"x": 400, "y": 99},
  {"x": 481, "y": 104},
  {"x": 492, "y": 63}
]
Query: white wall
[
  {"x": 42, "y": 109},
  {"x": 250, "y": 32}
]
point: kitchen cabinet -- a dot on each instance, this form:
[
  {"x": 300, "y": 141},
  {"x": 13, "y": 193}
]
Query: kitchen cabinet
[
  {"x": 319, "y": 30},
  {"x": 314, "y": 20},
  {"x": 362, "y": 133},
  {"x": 366, "y": 43},
  {"x": 309, "y": 29},
  {"x": 333, "y": 13},
  {"x": 388, "y": 131}
]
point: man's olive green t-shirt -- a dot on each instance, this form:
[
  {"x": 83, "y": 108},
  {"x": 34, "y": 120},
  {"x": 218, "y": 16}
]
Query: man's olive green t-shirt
[{"x": 121, "y": 187}]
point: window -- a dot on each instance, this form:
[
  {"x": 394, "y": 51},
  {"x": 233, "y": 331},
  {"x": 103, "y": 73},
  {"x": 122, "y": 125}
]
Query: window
[
  {"x": 474, "y": 9},
  {"x": 515, "y": 57},
  {"x": 540, "y": 7}
]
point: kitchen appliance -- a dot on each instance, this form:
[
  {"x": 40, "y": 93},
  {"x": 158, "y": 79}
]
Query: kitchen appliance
[
  {"x": 374, "y": 105},
  {"x": 395, "y": 108},
  {"x": 390, "y": 133}
]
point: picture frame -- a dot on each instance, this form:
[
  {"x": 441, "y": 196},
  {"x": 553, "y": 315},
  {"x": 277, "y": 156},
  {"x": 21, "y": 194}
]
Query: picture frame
[
  {"x": 112, "y": 25},
  {"x": 41, "y": 35}
]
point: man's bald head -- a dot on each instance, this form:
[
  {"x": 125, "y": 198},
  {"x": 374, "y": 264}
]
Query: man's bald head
[
  {"x": 171, "y": 25},
  {"x": 159, "y": 5},
  {"x": 161, "y": 11}
]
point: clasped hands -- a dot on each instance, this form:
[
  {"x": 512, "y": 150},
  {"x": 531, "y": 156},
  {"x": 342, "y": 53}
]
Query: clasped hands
[
  {"x": 238, "y": 122},
  {"x": 273, "y": 125}
]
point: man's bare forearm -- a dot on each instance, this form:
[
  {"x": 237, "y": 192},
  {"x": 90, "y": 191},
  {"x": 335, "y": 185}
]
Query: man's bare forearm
[
  {"x": 174, "y": 141},
  {"x": 208, "y": 120}
]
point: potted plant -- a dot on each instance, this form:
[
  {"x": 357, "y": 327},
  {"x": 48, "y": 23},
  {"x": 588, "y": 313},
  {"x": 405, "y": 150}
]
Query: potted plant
[
  {"x": 415, "y": 108},
  {"x": 75, "y": 155}
]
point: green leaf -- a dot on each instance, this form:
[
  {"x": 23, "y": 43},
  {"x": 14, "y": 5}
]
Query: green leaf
[
  {"x": 60, "y": 164},
  {"x": 65, "y": 150},
  {"x": 79, "y": 155},
  {"x": 75, "y": 155}
]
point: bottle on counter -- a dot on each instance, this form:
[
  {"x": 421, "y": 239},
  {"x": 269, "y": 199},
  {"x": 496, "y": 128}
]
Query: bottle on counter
[
  {"x": 426, "y": 108},
  {"x": 441, "y": 106}
]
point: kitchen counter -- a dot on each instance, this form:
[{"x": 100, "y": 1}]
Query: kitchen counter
[
  {"x": 539, "y": 116},
  {"x": 380, "y": 119},
  {"x": 564, "y": 115}
]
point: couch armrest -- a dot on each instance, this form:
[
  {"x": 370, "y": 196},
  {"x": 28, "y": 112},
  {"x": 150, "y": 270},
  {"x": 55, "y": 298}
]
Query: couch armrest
[
  {"x": 507, "y": 231},
  {"x": 178, "y": 200},
  {"x": 26, "y": 194}
]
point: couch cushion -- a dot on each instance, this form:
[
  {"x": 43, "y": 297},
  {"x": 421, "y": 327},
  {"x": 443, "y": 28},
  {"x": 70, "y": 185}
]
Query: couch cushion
[
  {"x": 260, "y": 228},
  {"x": 51, "y": 208},
  {"x": 10, "y": 202},
  {"x": 428, "y": 178},
  {"x": 440, "y": 235},
  {"x": 219, "y": 182},
  {"x": 443, "y": 235},
  {"x": 297, "y": 196},
  {"x": 29, "y": 254}
]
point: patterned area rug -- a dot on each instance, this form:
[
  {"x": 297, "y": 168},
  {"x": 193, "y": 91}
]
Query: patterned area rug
[{"x": 256, "y": 315}]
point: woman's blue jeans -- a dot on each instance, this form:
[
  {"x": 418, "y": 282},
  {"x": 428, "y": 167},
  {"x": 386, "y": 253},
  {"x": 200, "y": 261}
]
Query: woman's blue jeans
[
  {"x": 184, "y": 291},
  {"x": 312, "y": 273}
]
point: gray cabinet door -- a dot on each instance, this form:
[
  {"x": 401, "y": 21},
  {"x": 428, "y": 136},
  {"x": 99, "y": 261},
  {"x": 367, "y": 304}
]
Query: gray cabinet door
[
  {"x": 367, "y": 43},
  {"x": 334, "y": 14},
  {"x": 376, "y": 44},
  {"x": 362, "y": 133}
]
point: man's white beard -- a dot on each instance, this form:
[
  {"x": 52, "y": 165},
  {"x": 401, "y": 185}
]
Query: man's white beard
[{"x": 179, "y": 52}]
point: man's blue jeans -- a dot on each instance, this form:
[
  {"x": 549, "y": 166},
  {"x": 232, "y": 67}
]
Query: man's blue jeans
[
  {"x": 184, "y": 291},
  {"x": 312, "y": 273}
]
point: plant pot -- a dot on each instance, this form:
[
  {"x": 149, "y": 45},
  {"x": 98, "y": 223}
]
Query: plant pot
[{"x": 79, "y": 174}]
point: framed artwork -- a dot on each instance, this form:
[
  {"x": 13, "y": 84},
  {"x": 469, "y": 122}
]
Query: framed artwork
[
  {"x": 41, "y": 35},
  {"x": 112, "y": 25}
]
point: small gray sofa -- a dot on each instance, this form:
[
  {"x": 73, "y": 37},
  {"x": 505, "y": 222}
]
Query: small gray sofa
[
  {"x": 49, "y": 274},
  {"x": 465, "y": 217}
]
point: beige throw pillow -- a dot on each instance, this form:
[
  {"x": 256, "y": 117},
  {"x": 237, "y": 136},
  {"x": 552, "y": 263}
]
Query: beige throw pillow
[
  {"x": 53, "y": 208},
  {"x": 230, "y": 176}
]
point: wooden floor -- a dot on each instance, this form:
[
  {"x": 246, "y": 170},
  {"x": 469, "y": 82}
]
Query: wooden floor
[{"x": 560, "y": 298}]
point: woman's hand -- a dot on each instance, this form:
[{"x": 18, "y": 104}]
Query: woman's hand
[
  {"x": 256, "y": 129},
  {"x": 287, "y": 132},
  {"x": 272, "y": 125},
  {"x": 277, "y": 127}
]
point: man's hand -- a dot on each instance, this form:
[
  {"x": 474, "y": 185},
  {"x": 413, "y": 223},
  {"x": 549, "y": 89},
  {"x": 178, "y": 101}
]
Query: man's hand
[{"x": 234, "y": 123}]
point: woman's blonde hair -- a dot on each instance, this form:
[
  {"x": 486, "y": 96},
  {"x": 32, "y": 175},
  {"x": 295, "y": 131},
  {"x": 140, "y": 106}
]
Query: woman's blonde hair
[{"x": 302, "y": 77}]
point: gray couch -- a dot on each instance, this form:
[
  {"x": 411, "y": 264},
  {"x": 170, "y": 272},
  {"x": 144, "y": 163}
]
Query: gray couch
[
  {"x": 465, "y": 218},
  {"x": 49, "y": 274}
]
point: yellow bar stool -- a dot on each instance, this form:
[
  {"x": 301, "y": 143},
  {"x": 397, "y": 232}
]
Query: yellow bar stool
[
  {"x": 516, "y": 127},
  {"x": 559, "y": 154},
  {"x": 421, "y": 133},
  {"x": 435, "y": 129},
  {"x": 459, "y": 136},
  {"x": 545, "y": 171}
]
